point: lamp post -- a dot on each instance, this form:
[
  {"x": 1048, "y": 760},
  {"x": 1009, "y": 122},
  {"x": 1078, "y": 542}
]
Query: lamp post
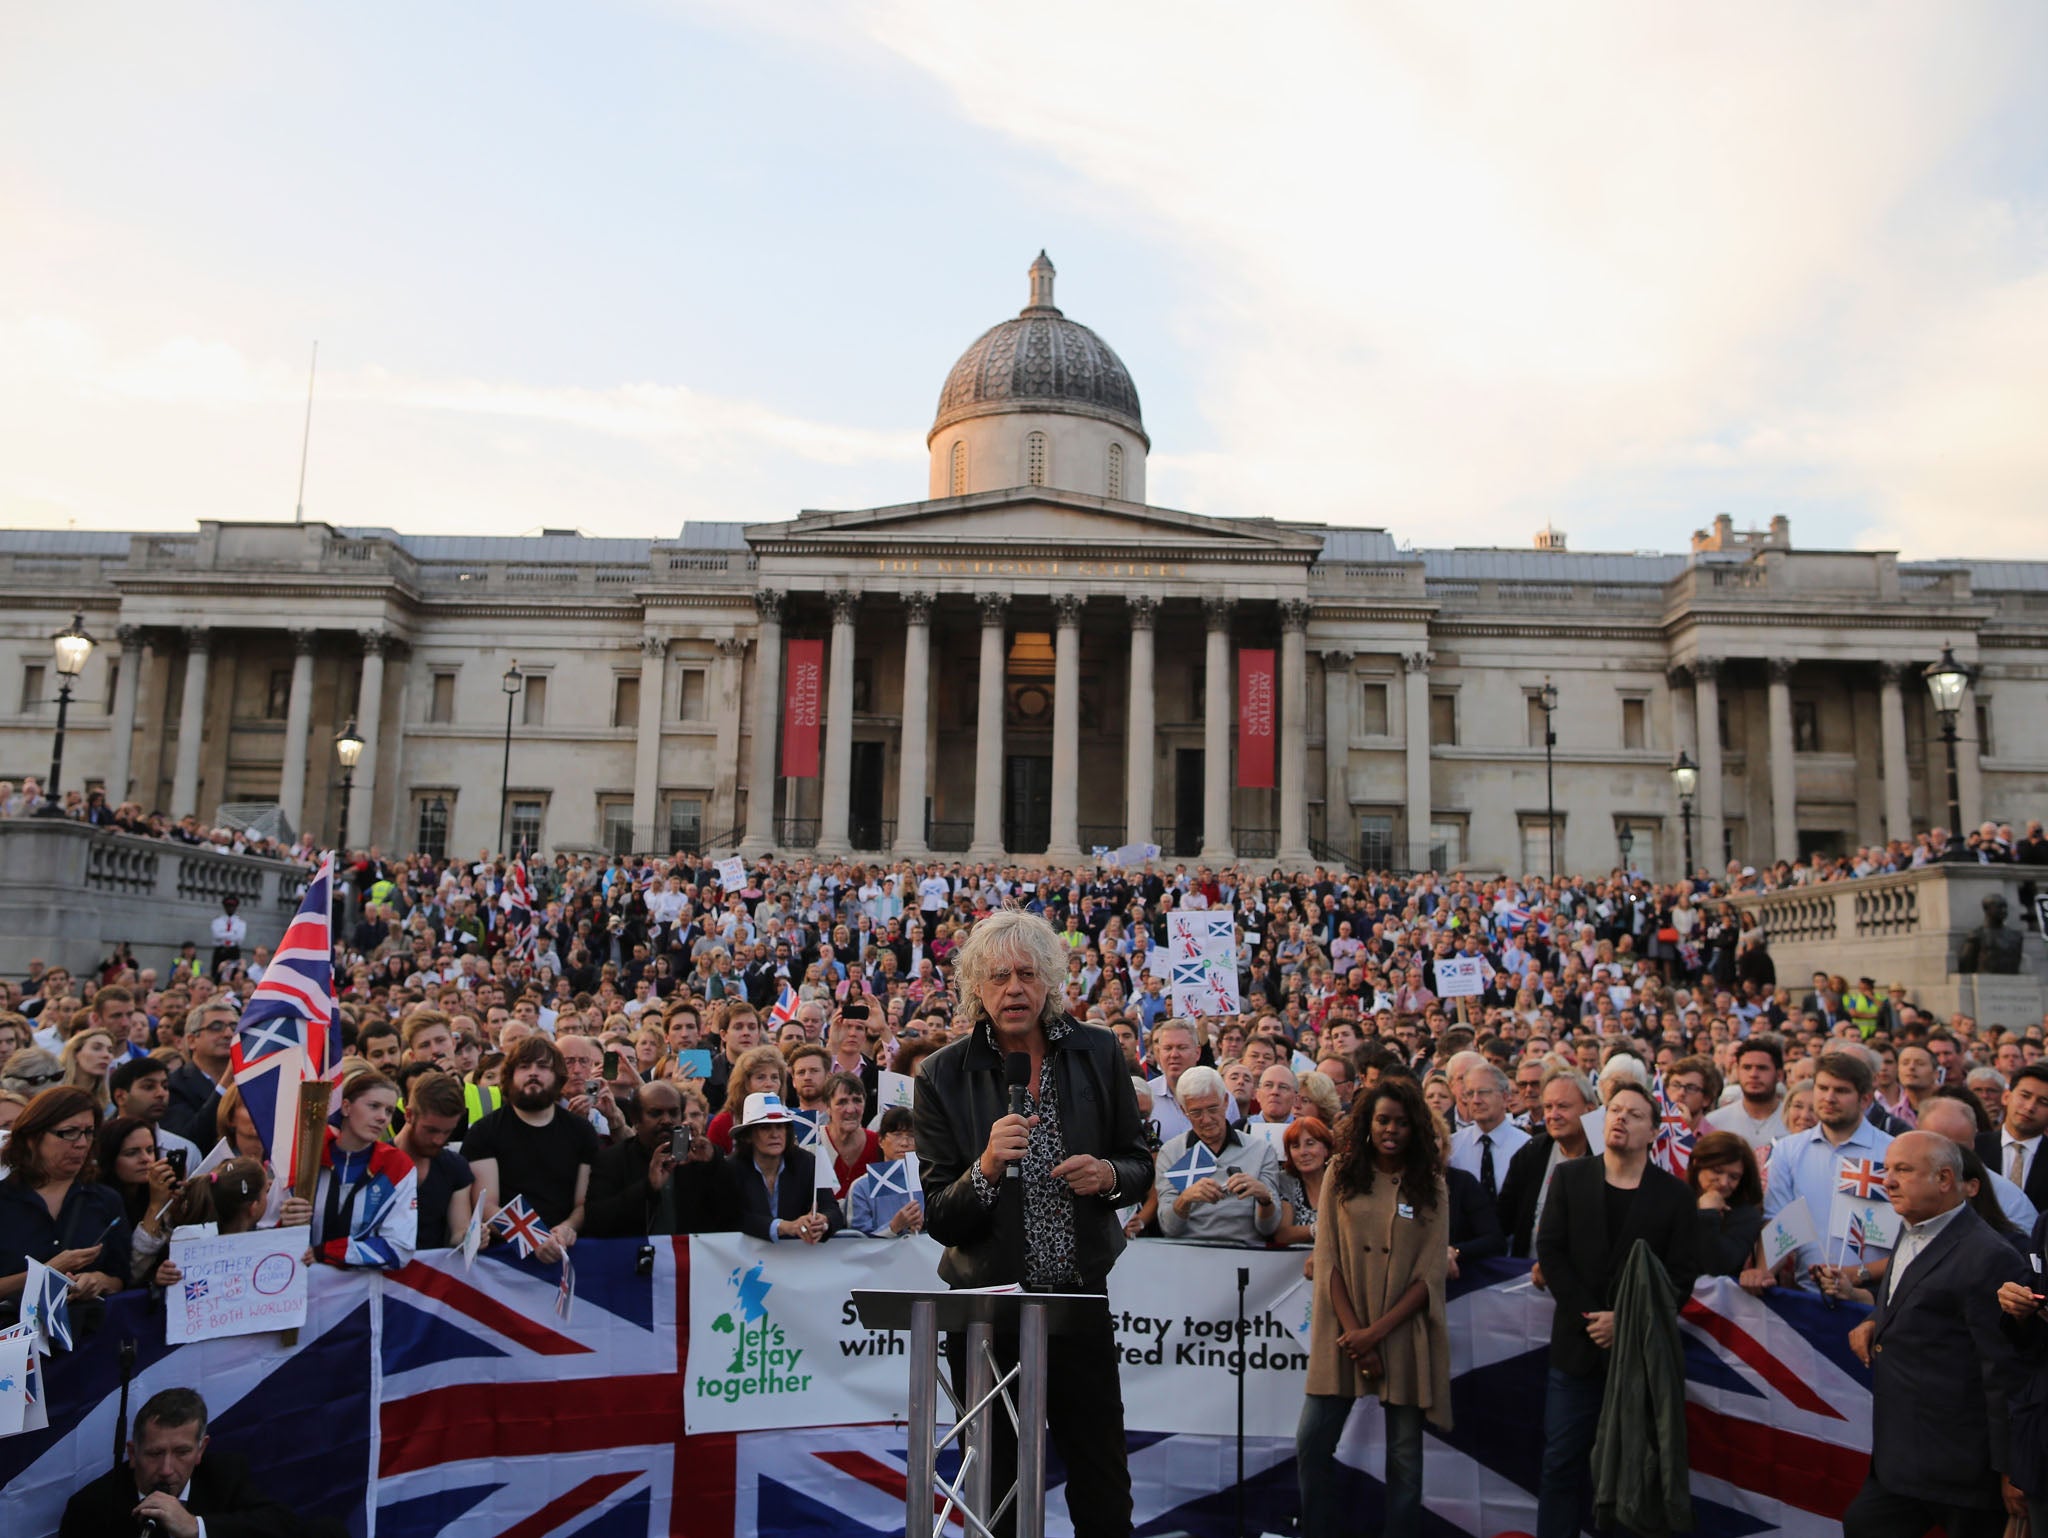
[
  {"x": 1948, "y": 681},
  {"x": 1547, "y": 698},
  {"x": 348, "y": 747},
  {"x": 1626, "y": 838},
  {"x": 1685, "y": 776},
  {"x": 512, "y": 681},
  {"x": 73, "y": 647}
]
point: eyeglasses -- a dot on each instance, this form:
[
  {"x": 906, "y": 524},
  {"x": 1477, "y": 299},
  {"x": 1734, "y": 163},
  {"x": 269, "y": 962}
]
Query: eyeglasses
[
  {"x": 71, "y": 1134},
  {"x": 40, "y": 1078},
  {"x": 1001, "y": 976}
]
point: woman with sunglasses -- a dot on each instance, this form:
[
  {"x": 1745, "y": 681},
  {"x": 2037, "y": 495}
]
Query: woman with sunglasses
[
  {"x": 52, "y": 1208},
  {"x": 31, "y": 1071}
]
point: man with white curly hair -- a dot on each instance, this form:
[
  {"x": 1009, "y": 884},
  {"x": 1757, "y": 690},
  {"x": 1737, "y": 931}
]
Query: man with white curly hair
[{"x": 1235, "y": 1203}]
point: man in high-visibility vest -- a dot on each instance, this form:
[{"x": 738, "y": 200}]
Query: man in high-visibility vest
[{"x": 1862, "y": 1004}]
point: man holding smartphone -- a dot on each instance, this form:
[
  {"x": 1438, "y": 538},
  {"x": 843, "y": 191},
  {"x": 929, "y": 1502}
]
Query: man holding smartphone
[{"x": 664, "y": 1179}]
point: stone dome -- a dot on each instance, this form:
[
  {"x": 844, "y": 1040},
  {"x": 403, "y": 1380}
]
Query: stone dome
[{"x": 1040, "y": 361}]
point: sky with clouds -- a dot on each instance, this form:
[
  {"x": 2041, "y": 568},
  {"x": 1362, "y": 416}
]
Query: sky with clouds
[{"x": 613, "y": 266}]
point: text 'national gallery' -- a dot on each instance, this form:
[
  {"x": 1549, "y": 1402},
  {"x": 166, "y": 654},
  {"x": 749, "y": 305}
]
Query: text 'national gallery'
[{"x": 1033, "y": 661}]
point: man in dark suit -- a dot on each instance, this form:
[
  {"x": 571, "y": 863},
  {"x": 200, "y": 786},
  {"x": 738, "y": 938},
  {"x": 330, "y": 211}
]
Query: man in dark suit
[
  {"x": 1595, "y": 1212},
  {"x": 1565, "y": 1099},
  {"x": 1942, "y": 1370},
  {"x": 2014, "y": 1148},
  {"x": 171, "y": 1481}
]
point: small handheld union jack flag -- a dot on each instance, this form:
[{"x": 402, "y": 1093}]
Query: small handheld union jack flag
[
  {"x": 785, "y": 1007},
  {"x": 1672, "y": 1148},
  {"x": 522, "y": 1225},
  {"x": 1856, "y": 1235},
  {"x": 1861, "y": 1178}
]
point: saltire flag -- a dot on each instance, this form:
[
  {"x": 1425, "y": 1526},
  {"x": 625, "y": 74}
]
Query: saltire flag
[
  {"x": 785, "y": 1007},
  {"x": 522, "y": 1225},
  {"x": 1860, "y": 1178},
  {"x": 290, "y": 1031},
  {"x": 1196, "y": 1164},
  {"x": 46, "y": 1307},
  {"x": 815, "y": 1141}
]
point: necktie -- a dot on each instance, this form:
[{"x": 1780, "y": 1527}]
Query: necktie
[
  {"x": 2016, "y": 1163},
  {"x": 1486, "y": 1182}
]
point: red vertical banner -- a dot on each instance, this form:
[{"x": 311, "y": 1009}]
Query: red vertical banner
[
  {"x": 803, "y": 698},
  {"x": 1255, "y": 719}
]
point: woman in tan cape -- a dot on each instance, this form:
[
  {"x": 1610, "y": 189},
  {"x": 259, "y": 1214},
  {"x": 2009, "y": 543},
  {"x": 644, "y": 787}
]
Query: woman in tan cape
[{"x": 1378, "y": 1327}]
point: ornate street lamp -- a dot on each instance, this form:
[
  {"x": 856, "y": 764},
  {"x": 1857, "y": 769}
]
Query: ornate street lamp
[
  {"x": 1948, "y": 681},
  {"x": 1626, "y": 838},
  {"x": 1547, "y": 698},
  {"x": 1685, "y": 777},
  {"x": 348, "y": 747},
  {"x": 512, "y": 682},
  {"x": 73, "y": 647}
]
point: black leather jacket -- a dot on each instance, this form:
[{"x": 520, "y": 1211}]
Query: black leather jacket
[{"x": 960, "y": 1095}]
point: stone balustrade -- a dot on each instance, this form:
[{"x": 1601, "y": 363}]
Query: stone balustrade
[
  {"x": 69, "y": 894},
  {"x": 1908, "y": 928}
]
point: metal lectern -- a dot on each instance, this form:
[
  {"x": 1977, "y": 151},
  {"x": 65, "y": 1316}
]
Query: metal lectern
[{"x": 1033, "y": 1317}]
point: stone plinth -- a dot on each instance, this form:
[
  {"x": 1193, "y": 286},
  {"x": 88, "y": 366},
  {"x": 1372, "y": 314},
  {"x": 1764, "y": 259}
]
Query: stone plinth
[{"x": 69, "y": 894}]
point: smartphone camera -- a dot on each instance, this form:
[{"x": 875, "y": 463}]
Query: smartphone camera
[
  {"x": 175, "y": 1158},
  {"x": 679, "y": 1142},
  {"x": 611, "y": 1065}
]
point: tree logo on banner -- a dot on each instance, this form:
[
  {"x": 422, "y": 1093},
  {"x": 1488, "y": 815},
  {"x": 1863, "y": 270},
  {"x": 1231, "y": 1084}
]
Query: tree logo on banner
[{"x": 763, "y": 1362}]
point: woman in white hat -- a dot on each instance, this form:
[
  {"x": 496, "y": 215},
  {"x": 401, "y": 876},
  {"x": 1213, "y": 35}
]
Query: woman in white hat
[{"x": 778, "y": 1194}]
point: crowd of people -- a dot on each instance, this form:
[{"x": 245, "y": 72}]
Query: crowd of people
[
  {"x": 631, "y": 1048},
  {"x": 27, "y": 799}
]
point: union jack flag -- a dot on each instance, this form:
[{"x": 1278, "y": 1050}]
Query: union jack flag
[
  {"x": 785, "y": 1007},
  {"x": 516, "y": 902},
  {"x": 522, "y": 1225},
  {"x": 290, "y": 1032},
  {"x": 1856, "y": 1236},
  {"x": 1860, "y": 1178},
  {"x": 1672, "y": 1148}
]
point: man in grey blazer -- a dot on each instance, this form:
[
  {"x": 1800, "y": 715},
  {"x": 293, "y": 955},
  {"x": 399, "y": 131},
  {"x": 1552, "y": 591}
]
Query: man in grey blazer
[{"x": 1942, "y": 1369}]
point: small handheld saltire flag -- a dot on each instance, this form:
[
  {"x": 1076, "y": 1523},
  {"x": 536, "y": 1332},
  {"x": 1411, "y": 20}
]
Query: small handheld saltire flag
[
  {"x": 1196, "y": 1164},
  {"x": 815, "y": 1142},
  {"x": 523, "y": 1225},
  {"x": 290, "y": 1031},
  {"x": 45, "y": 1304},
  {"x": 785, "y": 1007}
]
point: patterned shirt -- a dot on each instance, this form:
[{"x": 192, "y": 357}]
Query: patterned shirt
[{"x": 1050, "y": 1256}]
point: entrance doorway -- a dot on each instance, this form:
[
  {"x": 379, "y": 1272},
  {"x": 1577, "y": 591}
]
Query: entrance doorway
[
  {"x": 1187, "y": 802},
  {"x": 864, "y": 810},
  {"x": 1027, "y": 804}
]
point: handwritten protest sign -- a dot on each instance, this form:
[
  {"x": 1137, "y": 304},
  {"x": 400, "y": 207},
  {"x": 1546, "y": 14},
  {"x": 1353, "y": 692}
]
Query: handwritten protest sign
[{"x": 237, "y": 1284}]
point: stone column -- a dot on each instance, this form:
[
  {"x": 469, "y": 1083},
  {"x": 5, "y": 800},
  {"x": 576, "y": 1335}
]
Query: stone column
[
  {"x": 1294, "y": 852},
  {"x": 121, "y": 750},
  {"x": 1784, "y": 774},
  {"x": 298, "y": 721},
  {"x": 191, "y": 723},
  {"x": 362, "y": 798},
  {"x": 1140, "y": 751},
  {"x": 1969, "y": 770},
  {"x": 913, "y": 760},
  {"x": 1064, "y": 847},
  {"x": 1706, "y": 699},
  {"x": 1216, "y": 847},
  {"x": 1891, "y": 716},
  {"x": 726, "y": 680},
  {"x": 1416, "y": 665},
  {"x": 647, "y": 741},
  {"x": 988, "y": 731},
  {"x": 767, "y": 723},
  {"x": 1338, "y": 832},
  {"x": 838, "y": 795}
]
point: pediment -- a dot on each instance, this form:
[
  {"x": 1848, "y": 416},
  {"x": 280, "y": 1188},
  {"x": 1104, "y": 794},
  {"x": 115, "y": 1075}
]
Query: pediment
[{"x": 1037, "y": 518}]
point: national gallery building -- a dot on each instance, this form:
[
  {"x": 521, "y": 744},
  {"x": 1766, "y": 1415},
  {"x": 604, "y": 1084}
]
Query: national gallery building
[{"x": 1033, "y": 661}]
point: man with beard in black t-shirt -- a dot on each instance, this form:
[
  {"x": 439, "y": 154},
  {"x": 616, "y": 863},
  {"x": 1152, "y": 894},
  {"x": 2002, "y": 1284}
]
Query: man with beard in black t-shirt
[{"x": 531, "y": 1147}]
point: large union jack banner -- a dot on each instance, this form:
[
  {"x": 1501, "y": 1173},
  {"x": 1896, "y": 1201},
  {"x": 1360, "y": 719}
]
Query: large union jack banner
[{"x": 435, "y": 1402}]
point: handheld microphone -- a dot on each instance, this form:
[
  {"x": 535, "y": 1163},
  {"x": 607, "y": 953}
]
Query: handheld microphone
[{"x": 1017, "y": 1075}]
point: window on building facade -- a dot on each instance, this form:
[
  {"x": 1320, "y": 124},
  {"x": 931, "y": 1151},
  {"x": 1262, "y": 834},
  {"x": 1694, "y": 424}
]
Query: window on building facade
[
  {"x": 1446, "y": 844},
  {"x": 1645, "y": 838},
  {"x": 685, "y": 824},
  {"x": 32, "y": 688},
  {"x": 959, "y": 488},
  {"x": 1116, "y": 472},
  {"x": 441, "y": 699},
  {"x": 1034, "y": 459},
  {"x": 615, "y": 822},
  {"x": 113, "y": 683},
  {"x": 432, "y": 824},
  {"x": 1536, "y": 845},
  {"x": 534, "y": 706},
  {"x": 626, "y": 700},
  {"x": 1372, "y": 710},
  {"x": 277, "y": 700},
  {"x": 1376, "y": 840},
  {"x": 1730, "y": 721},
  {"x": 1635, "y": 724},
  {"x": 1533, "y": 721},
  {"x": 1806, "y": 726},
  {"x": 527, "y": 814},
  {"x": 1443, "y": 720},
  {"x": 690, "y": 695}
]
